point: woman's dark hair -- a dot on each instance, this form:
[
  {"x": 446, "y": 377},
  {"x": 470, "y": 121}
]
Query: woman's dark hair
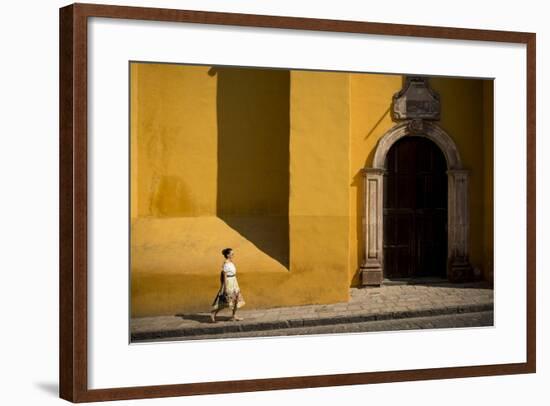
[{"x": 226, "y": 251}]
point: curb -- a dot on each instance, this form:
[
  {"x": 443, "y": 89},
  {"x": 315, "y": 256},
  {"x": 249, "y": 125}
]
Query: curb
[{"x": 309, "y": 322}]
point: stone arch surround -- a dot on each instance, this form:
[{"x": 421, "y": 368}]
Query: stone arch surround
[{"x": 458, "y": 218}]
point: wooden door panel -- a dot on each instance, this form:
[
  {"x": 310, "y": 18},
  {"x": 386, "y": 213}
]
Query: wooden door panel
[
  {"x": 398, "y": 228},
  {"x": 415, "y": 210}
]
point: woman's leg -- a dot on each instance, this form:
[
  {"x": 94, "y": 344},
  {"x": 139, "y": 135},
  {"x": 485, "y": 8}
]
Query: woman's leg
[
  {"x": 234, "y": 317},
  {"x": 213, "y": 314}
]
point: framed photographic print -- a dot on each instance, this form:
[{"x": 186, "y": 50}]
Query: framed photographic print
[{"x": 300, "y": 195}]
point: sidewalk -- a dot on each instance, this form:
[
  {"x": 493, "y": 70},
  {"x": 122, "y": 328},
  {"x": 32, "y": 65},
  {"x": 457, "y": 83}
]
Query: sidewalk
[{"x": 389, "y": 302}]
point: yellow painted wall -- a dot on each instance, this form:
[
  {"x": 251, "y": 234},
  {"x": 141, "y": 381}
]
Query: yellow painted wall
[
  {"x": 253, "y": 135},
  {"x": 242, "y": 158},
  {"x": 134, "y": 124},
  {"x": 319, "y": 198},
  {"x": 207, "y": 139},
  {"x": 174, "y": 111}
]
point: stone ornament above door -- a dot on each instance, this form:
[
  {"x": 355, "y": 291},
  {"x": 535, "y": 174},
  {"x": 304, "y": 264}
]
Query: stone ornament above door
[{"x": 416, "y": 101}]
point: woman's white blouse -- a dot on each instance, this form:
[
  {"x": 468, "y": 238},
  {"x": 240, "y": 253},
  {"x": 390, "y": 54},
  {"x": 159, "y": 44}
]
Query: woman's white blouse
[{"x": 229, "y": 268}]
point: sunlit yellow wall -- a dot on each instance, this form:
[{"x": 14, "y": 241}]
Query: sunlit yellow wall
[
  {"x": 319, "y": 197},
  {"x": 134, "y": 86},
  {"x": 466, "y": 108},
  {"x": 175, "y": 130}
]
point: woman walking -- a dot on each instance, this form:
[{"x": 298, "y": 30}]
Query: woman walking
[{"x": 229, "y": 295}]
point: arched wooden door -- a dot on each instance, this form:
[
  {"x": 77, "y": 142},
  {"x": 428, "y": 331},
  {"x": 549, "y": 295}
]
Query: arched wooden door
[{"x": 415, "y": 210}]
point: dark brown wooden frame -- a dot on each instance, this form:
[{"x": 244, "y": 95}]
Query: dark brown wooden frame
[{"x": 73, "y": 203}]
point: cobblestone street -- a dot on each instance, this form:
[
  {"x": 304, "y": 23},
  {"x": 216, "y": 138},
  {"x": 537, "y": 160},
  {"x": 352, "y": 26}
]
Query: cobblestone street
[{"x": 390, "y": 307}]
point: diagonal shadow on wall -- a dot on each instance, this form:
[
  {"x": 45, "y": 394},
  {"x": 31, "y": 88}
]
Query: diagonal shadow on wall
[{"x": 253, "y": 109}]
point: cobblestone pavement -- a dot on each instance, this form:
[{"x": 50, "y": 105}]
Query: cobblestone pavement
[
  {"x": 366, "y": 305},
  {"x": 477, "y": 319}
]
